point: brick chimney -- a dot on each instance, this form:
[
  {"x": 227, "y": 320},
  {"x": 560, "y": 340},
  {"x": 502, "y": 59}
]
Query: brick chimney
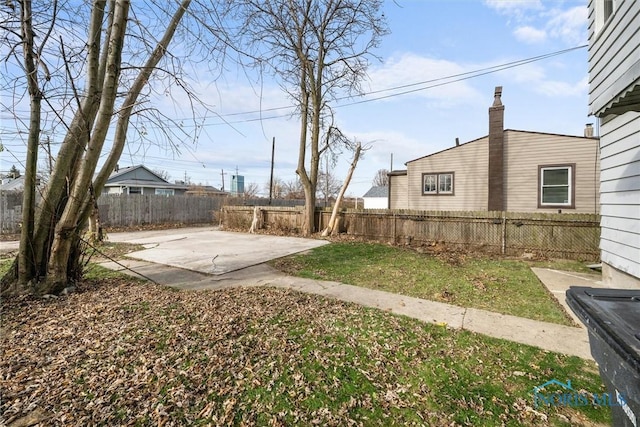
[{"x": 496, "y": 147}]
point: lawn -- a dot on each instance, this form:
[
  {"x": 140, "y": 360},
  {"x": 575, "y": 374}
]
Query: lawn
[
  {"x": 505, "y": 286},
  {"x": 126, "y": 352}
]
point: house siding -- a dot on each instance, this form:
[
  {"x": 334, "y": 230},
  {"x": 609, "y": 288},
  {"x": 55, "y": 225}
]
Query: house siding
[
  {"x": 375, "y": 202},
  {"x": 614, "y": 53},
  {"x": 398, "y": 192},
  {"x": 620, "y": 193},
  {"x": 614, "y": 67},
  {"x": 468, "y": 162},
  {"x": 112, "y": 190},
  {"x": 526, "y": 151}
]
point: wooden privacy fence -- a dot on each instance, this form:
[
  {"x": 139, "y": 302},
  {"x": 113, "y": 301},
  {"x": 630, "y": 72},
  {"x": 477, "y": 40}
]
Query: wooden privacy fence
[
  {"x": 10, "y": 212},
  {"x": 571, "y": 236},
  {"x": 128, "y": 210},
  {"x": 137, "y": 209}
]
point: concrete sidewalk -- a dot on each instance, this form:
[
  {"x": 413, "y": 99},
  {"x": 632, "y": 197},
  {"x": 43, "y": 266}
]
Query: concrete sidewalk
[{"x": 568, "y": 340}]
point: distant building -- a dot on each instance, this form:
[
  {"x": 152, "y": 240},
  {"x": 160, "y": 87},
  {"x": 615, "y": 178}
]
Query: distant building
[
  {"x": 237, "y": 185},
  {"x": 140, "y": 180},
  {"x": 507, "y": 170},
  {"x": 376, "y": 198},
  {"x": 9, "y": 184}
]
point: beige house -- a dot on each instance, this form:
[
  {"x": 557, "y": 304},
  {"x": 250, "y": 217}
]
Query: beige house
[
  {"x": 614, "y": 98},
  {"x": 507, "y": 170}
]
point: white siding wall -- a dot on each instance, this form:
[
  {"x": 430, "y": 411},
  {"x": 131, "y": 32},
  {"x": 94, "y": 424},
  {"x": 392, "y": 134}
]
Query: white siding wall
[
  {"x": 376, "y": 202},
  {"x": 620, "y": 193},
  {"x": 614, "y": 52},
  {"x": 614, "y": 65},
  {"x": 113, "y": 190},
  {"x": 526, "y": 151},
  {"x": 469, "y": 164}
]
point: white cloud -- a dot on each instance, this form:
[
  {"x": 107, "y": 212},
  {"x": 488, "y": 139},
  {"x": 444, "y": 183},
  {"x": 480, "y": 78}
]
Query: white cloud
[
  {"x": 569, "y": 25},
  {"x": 536, "y": 22},
  {"x": 536, "y": 78},
  {"x": 562, "y": 89},
  {"x": 530, "y": 35},
  {"x": 412, "y": 68},
  {"x": 518, "y": 9}
]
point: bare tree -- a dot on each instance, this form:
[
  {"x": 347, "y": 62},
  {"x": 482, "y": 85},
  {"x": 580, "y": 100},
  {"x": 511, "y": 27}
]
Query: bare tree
[
  {"x": 162, "y": 174},
  {"x": 328, "y": 185},
  {"x": 251, "y": 190},
  {"x": 276, "y": 189},
  {"x": 319, "y": 49},
  {"x": 293, "y": 190},
  {"x": 86, "y": 68},
  {"x": 381, "y": 179}
]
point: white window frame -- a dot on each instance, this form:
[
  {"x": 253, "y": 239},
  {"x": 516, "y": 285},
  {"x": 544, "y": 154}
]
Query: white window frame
[
  {"x": 129, "y": 190},
  {"x": 570, "y": 185},
  {"x": 433, "y": 184},
  {"x": 437, "y": 180},
  {"x": 165, "y": 192},
  {"x": 604, "y": 10}
]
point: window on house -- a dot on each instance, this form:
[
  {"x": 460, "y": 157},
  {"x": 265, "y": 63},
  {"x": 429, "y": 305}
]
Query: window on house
[
  {"x": 164, "y": 192},
  {"x": 604, "y": 9},
  {"x": 556, "y": 186},
  {"x": 437, "y": 183},
  {"x": 135, "y": 190},
  {"x": 430, "y": 184},
  {"x": 608, "y": 9}
]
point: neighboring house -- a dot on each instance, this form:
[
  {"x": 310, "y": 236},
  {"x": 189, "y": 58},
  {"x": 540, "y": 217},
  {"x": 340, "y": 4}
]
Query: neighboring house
[
  {"x": 507, "y": 170},
  {"x": 140, "y": 180},
  {"x": 376, "y": 198},
  {"x": 12, "y": 184},
  {"x": 8, "y": 184},
  {"x": 614, "y": 97},
  {"x": 11, "y": 192}
]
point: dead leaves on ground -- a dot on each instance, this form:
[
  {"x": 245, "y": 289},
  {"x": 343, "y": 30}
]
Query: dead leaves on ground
[{"x": 121, "y": 353}]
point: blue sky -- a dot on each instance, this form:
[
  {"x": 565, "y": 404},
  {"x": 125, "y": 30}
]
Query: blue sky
[{"x": 429, "y": 39}]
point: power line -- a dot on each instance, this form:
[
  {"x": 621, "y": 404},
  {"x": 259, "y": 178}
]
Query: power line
[
  {"x": 446, "y": 80},
  {"x": 470, "y": 74}
]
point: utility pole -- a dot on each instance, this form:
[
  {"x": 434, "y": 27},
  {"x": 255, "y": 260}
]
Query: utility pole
[
  {"x": 273, "y": 151},
  {"x": 222, "y": 174}
]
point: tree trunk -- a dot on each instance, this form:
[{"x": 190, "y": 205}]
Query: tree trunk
[
  {"x": 331, "y": 228},
  {"x": 55, "y": 196},
  {"x": 308, "y": 218},
  {"x": 68, "y": 227},
  {"x": 26, "y": 263}
]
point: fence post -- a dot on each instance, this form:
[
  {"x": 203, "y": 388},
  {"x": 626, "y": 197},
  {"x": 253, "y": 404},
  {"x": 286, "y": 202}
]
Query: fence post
[
  {"x": 503, "y": 249},
  {"x": 394, "y": 227}
]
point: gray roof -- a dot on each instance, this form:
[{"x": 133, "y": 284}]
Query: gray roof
[
  {"x": 17, "y": 184},
  {"x": 377, "y": 191}
]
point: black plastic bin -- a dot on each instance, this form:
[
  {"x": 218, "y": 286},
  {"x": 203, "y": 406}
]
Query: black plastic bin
[{"x": 612, "y": 317}]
